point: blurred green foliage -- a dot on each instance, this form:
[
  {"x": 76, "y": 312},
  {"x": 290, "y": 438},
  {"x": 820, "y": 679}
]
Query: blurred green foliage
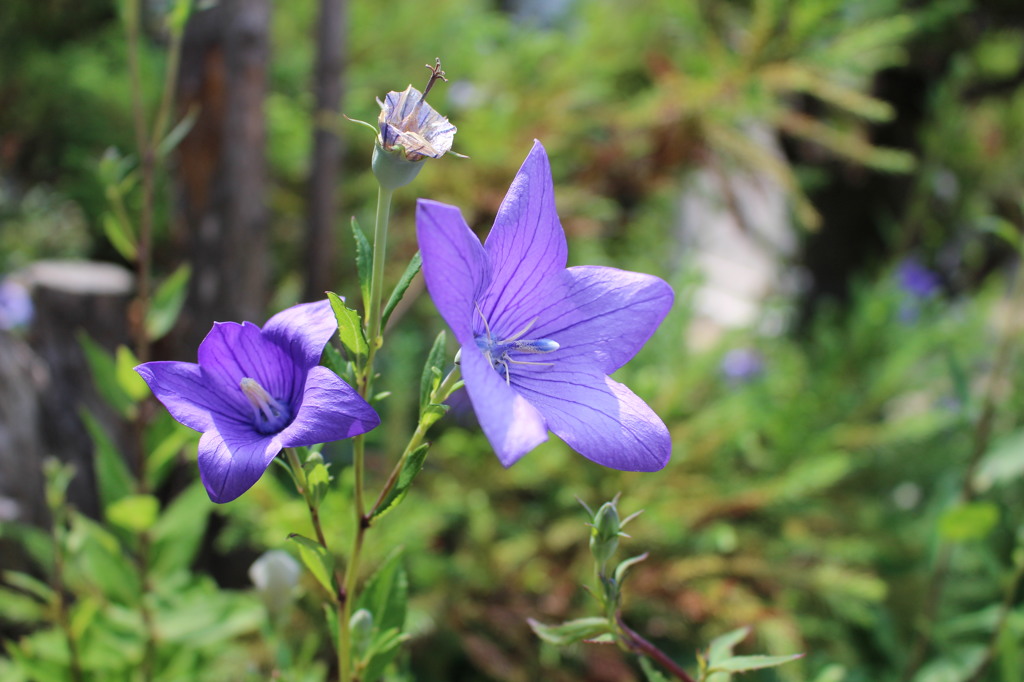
[{"x": 814, "y": 501}]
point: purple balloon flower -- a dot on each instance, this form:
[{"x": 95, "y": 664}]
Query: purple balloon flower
[
  {"x": 255, "y": 392},
  {"x": 539, "y": 340}
]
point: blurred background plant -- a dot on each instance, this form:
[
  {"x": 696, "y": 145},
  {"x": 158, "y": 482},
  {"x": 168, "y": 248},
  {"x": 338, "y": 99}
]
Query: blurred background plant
[{"x": 848, "y": 459}]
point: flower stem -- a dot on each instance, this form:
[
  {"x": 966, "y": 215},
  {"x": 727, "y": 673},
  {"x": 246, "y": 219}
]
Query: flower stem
[
  {"x": 440, "y": 394},
  {"x": 637, "y": 644},
  {"x": 302, "y": 485}
]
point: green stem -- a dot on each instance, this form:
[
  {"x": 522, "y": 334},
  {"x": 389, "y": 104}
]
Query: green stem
[
  {"x": 302, "y": 485},
  {"x": 439, "y": 395},
  {"x": 352, "y": 569}
]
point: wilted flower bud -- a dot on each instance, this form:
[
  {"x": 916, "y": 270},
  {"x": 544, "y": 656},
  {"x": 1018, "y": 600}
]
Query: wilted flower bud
[
  {"x": 410, "y": 131},
  {"x": 275, "y": 574}
]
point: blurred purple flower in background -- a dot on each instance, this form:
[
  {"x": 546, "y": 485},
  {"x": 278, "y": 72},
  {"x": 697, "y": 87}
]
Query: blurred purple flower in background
[
  {"x": 917, "y": 280},
  {"x": 742, "y": 364},
  {"x": 16, "y": 308},
  {"x": 539, "y": 340},
  {"x": 255, "y": 392}
]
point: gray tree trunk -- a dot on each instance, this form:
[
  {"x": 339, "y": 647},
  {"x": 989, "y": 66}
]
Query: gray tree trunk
[
  {"x": 222, "y": 169},
  {"x": 327, "y": 146}
]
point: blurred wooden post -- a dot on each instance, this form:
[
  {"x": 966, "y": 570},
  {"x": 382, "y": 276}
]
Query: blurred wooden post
[
  {"x": 72, "y": 297},
  {"x": 222, "y": 165},
  {"x": 326, "y": 154}
]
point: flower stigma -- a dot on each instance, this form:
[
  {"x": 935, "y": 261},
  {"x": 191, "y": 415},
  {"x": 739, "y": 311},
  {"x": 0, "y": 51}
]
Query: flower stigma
[
  {"x": 270, "y": 415},
  {"x": 497, "y": 352}
]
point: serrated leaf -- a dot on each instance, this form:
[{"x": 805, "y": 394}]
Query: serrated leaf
[
  {"x": 120, "y": 237},
  {"x": 403, "y": 285},
  {"x": 113, "y": 478},
  {"x": 721, "y": 647},
  {"x": 130, "y": 380},
  {"x": 432, "y": 370},
  {"x": 136, "y": 513},
  {"x": 104, "y": 375},
  {"x": 364, "y": 261},
  {"x": 739, "y": 664},
  {"x": 412, "y": 466},
  {"x": 571, "y": 631},
  {"x": 167, "y": 302},
  {"x": 318, "y": 561},
  {"x": 350, "y": 329},
  {"x": 969, "y": 521}
]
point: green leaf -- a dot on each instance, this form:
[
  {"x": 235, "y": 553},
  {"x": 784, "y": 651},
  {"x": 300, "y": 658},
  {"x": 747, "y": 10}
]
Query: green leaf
[
  {"x": 650, "y": 672},
  {"x": 103, "y": 369},
  {"x": 622, "y": 568},
  {"x": 364, "y": 261},
  {"x": 113, "y": 478},
  {"x": 30, "y": 584},
  {"x": 16, "y": 607},
  {"x": 179, "y": 531},
  {"x": 167, "y": 302},
  {"x": 1002, "y": 464},
  {"x": 183, "y": 127},
  {"x": 969, "y": 521},
  {"x": 571, "y": 631},
  {"x": 120, "y": 236},
  {"x": 401, "y": 287},
  {"x": 165, "y": 439},
  {"x": 412, "y": 466},
  {"x": 130, "y": 381},
  {"x": 136, "y": 513},
  {"x": 35, "y": 541},
  {"x": 432, "y": 370},
  {"x": 739, "y": 664},
  {"x": 385, "y": 597},
  {"x": 97, "y": 558},
  {"x": 721, "y": 647},
  {"x": 317, "y": 478},
  {"x": 350, "y": 328},
  {"x": 318, "y": 561}
]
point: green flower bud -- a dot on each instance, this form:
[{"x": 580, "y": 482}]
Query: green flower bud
[
  {"x": 361, "y": 627},
  {"x": 604, "y": 532}
]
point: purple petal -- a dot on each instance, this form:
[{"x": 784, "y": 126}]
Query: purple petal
[
  {"x": 331, "y": 410},
  {"x": 303, "y": 330},
  {"x": 232, "y": 351},
  {"x": 610, "y": 314},
  {"x": 232, "y": 460},
  {"x": 512, "y": 425},
  {"x": 599, "y": 418},
  {"x": 526, "y": 246},
  {"x": 188, "y": 395},
  {"x": 454, "y": 265}
]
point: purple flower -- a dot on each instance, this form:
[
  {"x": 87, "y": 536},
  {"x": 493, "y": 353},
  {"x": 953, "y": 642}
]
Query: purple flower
[
  {"x": 539, "y": 340},
  {"x": 407, "y": 120},
  {"x": 916, "y": 279},
  {"x": 255, "y": 392},
  {"x": 16, "y": 308},
  {"x": 742, "y": 364}
]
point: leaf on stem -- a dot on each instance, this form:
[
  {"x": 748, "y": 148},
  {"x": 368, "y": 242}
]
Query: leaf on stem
[
  {"x": 571, "y": 631},
  {"x": 739, "y": 664},
  {"x": 431, "y": 377},
  {"x": 318, "y": 561},
  {"x": 385, "y": 597},
  {"x": 401, "y": 287},
  {"x": 364, "y": 261},
  {"x": 350, "y": 329},
  {"x": 412, "y": 466},
  {"x": 120, "y": 236},
  {"x": 167, "y": 302}
]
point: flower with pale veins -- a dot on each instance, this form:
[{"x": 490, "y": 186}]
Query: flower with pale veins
[
  {"x": 539, "y": 340},
  {"x": 407, "y": 120},
  {"x": 256, "y": 391}
]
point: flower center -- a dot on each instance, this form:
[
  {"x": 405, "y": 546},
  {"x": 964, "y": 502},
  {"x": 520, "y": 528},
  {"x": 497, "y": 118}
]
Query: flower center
[
  {"x": 269, "y": 415},
  {"x": 499, "y": 352}
]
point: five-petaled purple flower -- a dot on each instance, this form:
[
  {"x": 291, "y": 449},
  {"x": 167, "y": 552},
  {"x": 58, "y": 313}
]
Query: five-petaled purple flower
[
  {"x": 255, "y": 392},
  {"x": 539, "y": 340}
]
